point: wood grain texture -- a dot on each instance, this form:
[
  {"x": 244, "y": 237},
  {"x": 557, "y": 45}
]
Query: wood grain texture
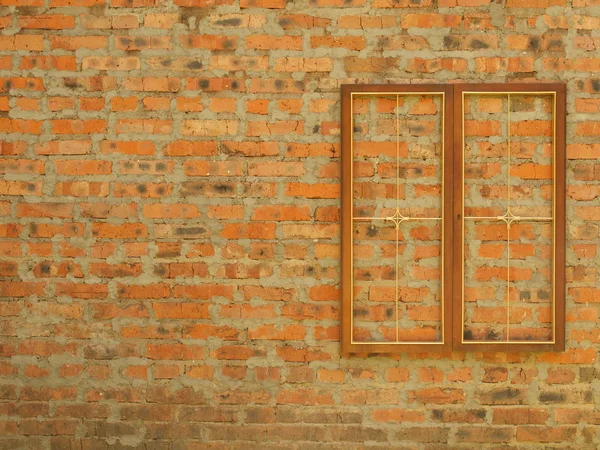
[{"x": 453, "y": 220}]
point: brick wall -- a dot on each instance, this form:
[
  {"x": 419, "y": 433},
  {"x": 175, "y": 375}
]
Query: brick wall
[{"x": 169, "y": 217}]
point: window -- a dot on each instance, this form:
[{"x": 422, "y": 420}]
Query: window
[{"x": 453, "y": 217}]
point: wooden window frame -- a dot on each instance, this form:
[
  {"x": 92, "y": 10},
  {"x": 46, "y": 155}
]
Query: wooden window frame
[{"x": 452, "y": 220}]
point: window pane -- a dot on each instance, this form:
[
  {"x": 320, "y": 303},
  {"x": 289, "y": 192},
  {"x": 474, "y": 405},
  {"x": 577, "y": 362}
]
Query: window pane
[
  {"x": 397, "y": 218},
  {"x": 508, "y": 189}
]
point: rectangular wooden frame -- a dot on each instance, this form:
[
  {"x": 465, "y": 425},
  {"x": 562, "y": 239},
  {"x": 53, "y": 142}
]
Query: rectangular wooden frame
[
  {"x": 348, "y": 346},
  {"x": 558, "y": 263},
  {"x": 452, "y": 220}
]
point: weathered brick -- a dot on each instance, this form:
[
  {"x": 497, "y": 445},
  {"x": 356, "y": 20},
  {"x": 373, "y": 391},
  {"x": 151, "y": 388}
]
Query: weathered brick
[{"x": 170, "y": 224}]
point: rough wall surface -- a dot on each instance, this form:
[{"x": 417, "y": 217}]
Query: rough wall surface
[{"x": 169, "y": 222}]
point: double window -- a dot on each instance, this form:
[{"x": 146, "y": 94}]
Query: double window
[{"x": 453, "y": 217}]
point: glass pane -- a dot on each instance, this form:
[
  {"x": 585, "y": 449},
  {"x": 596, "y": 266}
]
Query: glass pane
[
  {"x": 420, "y": 168},
  {"x": 531, "y": 283},
  {"x": 485, "y": 152},
  {"x": 508, "y": 183},
  {"x": 375, "y": 151},
  {"x": 485, "y": 274},
  {"x": 420, "y": 282},
  {"x": 376, "y": 243},
  {"x": 531, "y": 129},
  {"x": 397, "y": 176}
]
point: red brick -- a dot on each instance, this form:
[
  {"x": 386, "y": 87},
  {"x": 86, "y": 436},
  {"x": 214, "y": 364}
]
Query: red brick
[
  {"x": 143, "y": 291},
  {"x": 65, "y": 126},
  {"x": 174, "y": 352},
  {"x": 268, "y": 42},
  {"x": 48, "y": 22},
  {"x": 22, "y": 42},
  {"x": 110, "y": 63},
  {"x": 347, "y": 42},
  {"x": 200, "y": 246},
  {"x": 545, "y": 434},
  {"x": 436, "y": 396},
  {"x": 73, "y": 43},
  {"x": 274, "y": 4},
  {"x": 302, "y": 21},
  {"x": 85, "y": 167}
]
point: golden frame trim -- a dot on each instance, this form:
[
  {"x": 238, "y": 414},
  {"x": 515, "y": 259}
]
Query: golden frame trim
[
  {"x": 508, "y": 217},
  {"x": 397, "y": 218}
]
